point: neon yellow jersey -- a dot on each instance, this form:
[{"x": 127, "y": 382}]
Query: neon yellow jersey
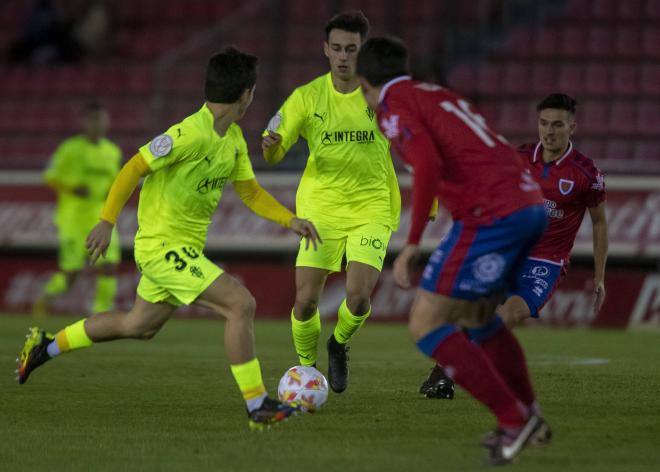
[
  {"x": 190, "y": 165},
  {"x": 78, "y": 162},
  {"x": 349, "y": 179}
]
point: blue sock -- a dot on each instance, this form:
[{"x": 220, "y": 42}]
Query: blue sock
[
  {"x": 487, "y": 331},
  {"x": 429, "y": 343}
]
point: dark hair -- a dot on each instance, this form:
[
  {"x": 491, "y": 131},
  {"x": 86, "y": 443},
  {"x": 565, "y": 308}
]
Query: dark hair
[
  {"x": 93, "y": 107},
  {"x": 560, "y": 101},
  {"x": 352, "y": 21},
  {"x": 382, "y": 59},
  {"x": 228, "y": 74}
]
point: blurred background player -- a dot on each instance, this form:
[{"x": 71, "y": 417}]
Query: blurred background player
[
  {"x": 571, "y": 185},
  {"x": 348, "y": 189},
  {"x": 185, "y": 171},
  {"x": 81, "y": 172},
  {"x": 498, "y": 216}
]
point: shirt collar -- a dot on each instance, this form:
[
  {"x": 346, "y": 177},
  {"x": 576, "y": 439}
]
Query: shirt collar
[
  {"x": 539, "y": 147},
  {"x": 395, "y": 80}
]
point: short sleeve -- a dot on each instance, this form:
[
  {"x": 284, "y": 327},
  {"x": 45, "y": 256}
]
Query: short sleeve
[
  {"x": 243, "y": 167},
  {"x": 595, "y": 194},
  {"x": 289, "y": 120},
  {"x": 62, "y": 165},
  {"x": 182, "y": 141}
]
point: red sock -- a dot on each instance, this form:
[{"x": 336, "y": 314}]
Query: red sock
[
  {"x": 507, "y": 356},
  {"x": 471, "y": 369}
]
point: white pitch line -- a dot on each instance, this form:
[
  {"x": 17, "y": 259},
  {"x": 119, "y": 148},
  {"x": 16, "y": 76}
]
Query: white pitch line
[{"x": 569, "y": 360}]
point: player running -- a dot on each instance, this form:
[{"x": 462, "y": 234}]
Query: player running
[
  {"x": 81, "y": 172},
  {"x": 571, "y": 185},
  {"x": 185, "y": 171},
  {"x": 348, "y": 189},
  {"x": 498, "y": 216}
]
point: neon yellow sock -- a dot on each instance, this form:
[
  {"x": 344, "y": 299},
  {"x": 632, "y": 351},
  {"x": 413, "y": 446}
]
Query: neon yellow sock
[
  {"x": 248, "y": 378},
  {"x": 306, "y": 337},
  {"x": 57, "y": 284},
  {"x": 73, "y": 337},
  {"x": 348, "y": 323},
  {"x": 106, "y": 288}
]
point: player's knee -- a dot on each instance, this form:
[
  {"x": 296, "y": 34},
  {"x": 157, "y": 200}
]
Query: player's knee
[
  {"x": 305, "y": 307},
  {"x": 245, "y": 306},
  {"x": 358, "y": 302}
]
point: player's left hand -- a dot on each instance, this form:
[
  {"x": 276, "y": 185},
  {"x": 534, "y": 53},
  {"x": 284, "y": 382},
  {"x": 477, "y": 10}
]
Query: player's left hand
[
  {"x": 307, "y": 230},
  {"x": 599, "y": 292},
  {"x": 402, "y": 268}
]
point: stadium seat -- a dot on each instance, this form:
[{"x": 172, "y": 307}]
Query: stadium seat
[
  {"x": 574, "y": 41},
  {"x": 595, "y": 117},
  {"x": 628, "y": 42},
  {"x": 653, "y": 9},
  {"x": 651, "y": 43},
  {"x": 604, "y": 9},
  {"x": 571, "y": 79},
  {"x": 463, "y": 78},
  {"x": 543, "y": 78},
  {"x": 489, "y": 78},
  {"x": 648, "y": 118},
  {"x": 650, "y": 82},
  {"x": 597, "y": 78},
  {"x": 623, "y": 117},
  {"x": 625, "y": 79},
  {"x": 630, "y": 9},
  {"x": 516, "y": 78},
  {"x": 520, "y": 43},
  {"x": 600, "y": 41},
  {"x": 619, "y": 149},
  {"x": 547, "y": 40}
]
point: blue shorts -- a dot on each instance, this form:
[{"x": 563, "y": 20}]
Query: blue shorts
[
  {"x": 536, "y": 282},
  {"x": 475, "y": 261}
]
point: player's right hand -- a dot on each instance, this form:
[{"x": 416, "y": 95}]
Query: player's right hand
[
  {"x": 307, "y": 230},
  {"x": 270, "y": 141},
  {"x": 403, "y": 265},
  {"x": 98, "y": 240}
]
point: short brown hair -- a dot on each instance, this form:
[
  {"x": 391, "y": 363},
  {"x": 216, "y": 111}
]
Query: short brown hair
[{"x": 352, "y": 21}]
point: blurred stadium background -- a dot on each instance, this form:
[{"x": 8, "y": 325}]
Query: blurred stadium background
[{"x": 144, "y": 59}]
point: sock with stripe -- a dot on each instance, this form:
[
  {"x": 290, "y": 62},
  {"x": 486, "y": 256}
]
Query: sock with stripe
[
  {"x": 469, "y": 367},
  {"x": 347, "y": 323},
  {"x": 306, "y": 337},
  {"x": 505, "y": 353},
  {"x": 69, "y": 339},
  {"x": 248, "y": 378}
]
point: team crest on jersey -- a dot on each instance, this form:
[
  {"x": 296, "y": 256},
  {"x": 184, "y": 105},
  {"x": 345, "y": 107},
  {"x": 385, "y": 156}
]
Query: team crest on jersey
[
  {"x": 565, "y": 186},
  {"x": 488, "y": 268},
  {"x": 161, "y": 145},
  {"x": 390, "y": 126},
  {"x": 370, "y": 114}
]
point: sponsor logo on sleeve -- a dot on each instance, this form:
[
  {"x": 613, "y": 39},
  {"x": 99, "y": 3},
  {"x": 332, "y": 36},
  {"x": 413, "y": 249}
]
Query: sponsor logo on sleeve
[
  {"x": 275, "y": 122},
  {"x": 161, "y": 145},
  {"x": 599, "y": 184},
  {"x": 390, "y": 126}
]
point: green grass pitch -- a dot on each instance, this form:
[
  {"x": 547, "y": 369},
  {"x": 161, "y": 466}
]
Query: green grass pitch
[{"x": 170, "y": 404}]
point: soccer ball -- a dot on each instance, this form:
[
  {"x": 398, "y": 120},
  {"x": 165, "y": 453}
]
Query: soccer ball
[{"x": 303, "y": 384}]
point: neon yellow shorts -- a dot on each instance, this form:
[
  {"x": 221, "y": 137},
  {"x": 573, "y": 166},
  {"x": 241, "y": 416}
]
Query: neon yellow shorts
[
  {"x": 73, "y": 251},
  {"x": 366, "y": 244},
  {"x": 177, "y": 275}
]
